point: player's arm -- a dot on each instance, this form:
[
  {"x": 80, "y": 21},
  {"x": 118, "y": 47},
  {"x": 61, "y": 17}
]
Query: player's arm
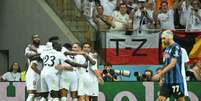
[
  {"x": 197, "y": 76},
  {"x": 171, "y": 65},
  {"x": 91, "y": 60},
  {"x": 31, "y": 53},
  {"x": 74, "y": 64},
  {"x": 64, "y": 67},
  {"x": 71, "y": 53},
  {"x": 35, "y": 69}
]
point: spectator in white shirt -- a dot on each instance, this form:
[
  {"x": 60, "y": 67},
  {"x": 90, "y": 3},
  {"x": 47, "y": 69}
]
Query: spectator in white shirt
[
  {"x": 166, "y": 16},
  {"x": 13, "y": 74},
  {"x": 194, "y": 16}
]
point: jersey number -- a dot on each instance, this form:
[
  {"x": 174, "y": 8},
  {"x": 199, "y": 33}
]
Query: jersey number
[
  {"x": 175, "y": 88},
  {"x": 49, "y": 58}
]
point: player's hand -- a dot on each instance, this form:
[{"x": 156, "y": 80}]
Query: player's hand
[
  {"x": 100, "y": 80},
  {"x": 156, "y": 77},
  {"x": 59, "y": 67}
]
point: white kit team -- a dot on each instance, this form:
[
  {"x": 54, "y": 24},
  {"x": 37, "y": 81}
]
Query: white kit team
[{"x": 54, "y": 71}]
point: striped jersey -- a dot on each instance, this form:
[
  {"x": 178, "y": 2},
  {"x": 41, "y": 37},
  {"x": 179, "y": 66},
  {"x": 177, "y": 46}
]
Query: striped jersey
[{"x": 174, "y": 75}]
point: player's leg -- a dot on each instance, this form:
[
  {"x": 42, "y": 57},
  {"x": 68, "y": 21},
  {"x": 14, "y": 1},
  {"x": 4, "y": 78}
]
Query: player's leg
[
  {"x": 44, "y": 87},
  {"x": 181, "y": 98},
  {"x": 87, "y": 98},
  {"x": 31, "y": 95},
  {"x": 74, "y": 87},
  {"x": 52, "y": 81},
  {"x": 55, "y": 95},
  {"x": 161, "y": 98},
  {"x": 63, "y": 93},
  {"x": 165, "y": 91},
  {"x": 31, "y": 84},
  {"x": 74, "y": 95},
  {"x": 94, "y": 98}
]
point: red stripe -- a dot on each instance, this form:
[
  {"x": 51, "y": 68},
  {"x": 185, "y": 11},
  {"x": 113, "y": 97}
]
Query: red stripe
[{"x": 125, "y": 57}]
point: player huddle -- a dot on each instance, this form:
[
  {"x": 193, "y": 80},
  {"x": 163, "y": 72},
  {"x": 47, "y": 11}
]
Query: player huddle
[{"x": 55, "y": 70}]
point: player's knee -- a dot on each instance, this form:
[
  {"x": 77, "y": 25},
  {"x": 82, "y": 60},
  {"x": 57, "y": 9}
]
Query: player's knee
[
  {"x": 54, "y": 94},
  {"x": 161, "y": 98},
  {"x": 63, "y": 92}
]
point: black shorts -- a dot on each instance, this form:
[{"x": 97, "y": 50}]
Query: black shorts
[{"x": 167, "y": 90}]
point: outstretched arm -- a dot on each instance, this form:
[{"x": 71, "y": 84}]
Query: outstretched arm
[{"x": 74, "y": 64}]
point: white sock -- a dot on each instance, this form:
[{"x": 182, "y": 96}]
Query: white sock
[
  {"x": 55, "y": 99},
  {"x": 37, "y": 98},
  {"x": 63, "y": 98},
  {"x": 43, "y": 99},
  {"x": 75, "y": 99},
  {"x": 30, "y": 97}
]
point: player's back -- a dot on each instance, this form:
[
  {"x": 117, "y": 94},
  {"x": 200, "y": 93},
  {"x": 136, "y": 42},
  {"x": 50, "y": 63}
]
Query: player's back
[{"x": 51, "y": 58}]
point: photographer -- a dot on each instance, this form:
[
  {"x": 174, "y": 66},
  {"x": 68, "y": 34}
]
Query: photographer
[
  {"x": 144, "y": 77},
  {"x": 194, "y": 73},
  {"x": 108, "y": 73}
]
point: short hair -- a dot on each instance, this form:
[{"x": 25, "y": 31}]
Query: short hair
[
  {"x": 108, "y": 64},
  {"x": 163, "y": 2},
  {"x": 53, "y": 38},
  {"x": 68, "y": 46},
  {"x": 88, "y": 43},
  {"x": 167, "y": 34},
  {"x": 35, "y": 36}
]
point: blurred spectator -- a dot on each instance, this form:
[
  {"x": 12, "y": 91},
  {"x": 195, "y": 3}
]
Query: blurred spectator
[
  {"x": 194, "y": 16},
  {"x": 23, "y": 72},
  {"x": 109, "y": 6},
  {"x": 166, "y": 16},
  {"x": 13, "y": 74},
  {"x": 197, "y": 70},
  {"x": 120, "y": 18},
  {"x": 182, "y": 7},
  {"x": 142, "y": 17},
  {"x": 108, "y": 73},
  {"x": 148, "y": 75},
  {"x": 101, "y": 20}
]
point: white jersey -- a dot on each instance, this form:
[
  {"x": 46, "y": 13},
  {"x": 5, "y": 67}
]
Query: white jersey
[
  {"x": 50, "y": 75},
  {"x": 52, "y": 58},
  {"x": 185, "y": 59},
  {"x": 119, "y": 20},
  {"x": 11, "y": 76},
  {"x": 94, "y": 89},
  {"x": 69, "y": 79},
  {"x": 194, "y": 21},
  {"x": 109, "y": 6},
  {"x": 88, "y": 83},
  {"x": 33, "y": 79},
  {"x": 167, "y": 20}
]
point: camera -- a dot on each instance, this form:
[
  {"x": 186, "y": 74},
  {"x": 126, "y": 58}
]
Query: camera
[
  {"x": 123, "y": 72},
  {"x": 139, "y": 76},
  {"x": 146, "y": 76}
]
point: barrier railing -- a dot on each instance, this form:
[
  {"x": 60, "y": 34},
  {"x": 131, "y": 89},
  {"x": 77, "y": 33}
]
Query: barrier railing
[{"x": 110, "y": 91}]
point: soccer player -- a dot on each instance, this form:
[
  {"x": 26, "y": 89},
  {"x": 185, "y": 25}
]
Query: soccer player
[
  {"x": 91, "y": 77},
  {"x": 35, "y": 66},
  {"x": 50, "y": 74},
  {"x": 69, "y": 79},
  {"x": 173, "y": 83}
]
